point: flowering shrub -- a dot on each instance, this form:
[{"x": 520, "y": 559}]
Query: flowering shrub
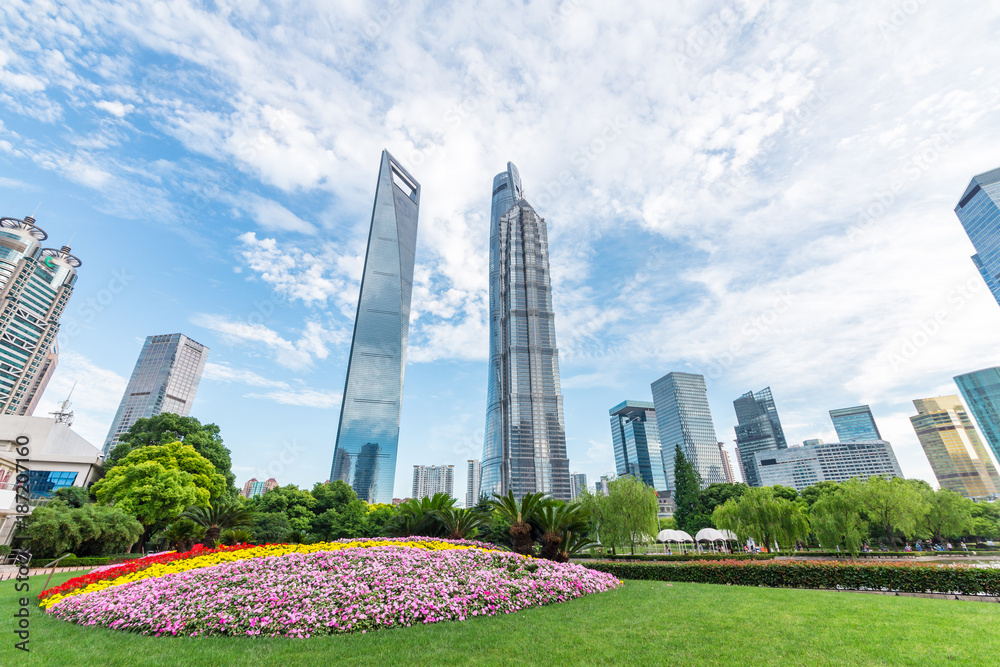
[
  {"x": 333, "y": 589},
  {"x": 902, "y": 577}
]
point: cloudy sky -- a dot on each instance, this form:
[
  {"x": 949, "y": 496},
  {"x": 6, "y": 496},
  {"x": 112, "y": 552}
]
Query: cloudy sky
[{"x": 761, "y": 192}]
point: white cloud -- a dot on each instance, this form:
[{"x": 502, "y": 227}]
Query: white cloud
[
  {"x": 226, "y": 373},
  {"x": 272, "y": 216},
  {"x": 296, "y": 355},
  {"x": 309, "y": 398},
  {"x": 115, "y": 108}
]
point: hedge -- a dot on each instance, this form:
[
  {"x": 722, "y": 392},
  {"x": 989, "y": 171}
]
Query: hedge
[
  {"x": 83, "y": 561},
  {"x": 677, "y": 557},
  {"x": 904, "y": 578}
]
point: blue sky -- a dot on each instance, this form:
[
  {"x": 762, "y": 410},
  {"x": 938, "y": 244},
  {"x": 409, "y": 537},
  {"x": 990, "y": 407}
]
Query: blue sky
[{"x": 758, "y": 191}]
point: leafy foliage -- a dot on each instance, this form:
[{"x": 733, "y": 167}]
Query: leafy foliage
[
  {"x": 422, "y": 516},
  {"x": 90, "y": 530},
  {"x": 297, "y": 504},
  {"x": 181, "y": 535},
  {"x": 234, "y": 536},
  {"x": 837, "y": 522},
  {"x": 687, "y": 486},
  {"x": 73, "y": 496},
  {"x": 519, "y": 513},
  {"x": 216, "y": 518},
  {"x": 461, "y": 524},
  {"x": 629, "y": 512},
  {"x": 768, "y": 519},
  {"x": 270, "y": 527}
]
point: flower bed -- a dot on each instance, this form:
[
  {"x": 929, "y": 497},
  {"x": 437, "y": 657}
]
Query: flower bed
[
  {"x": 337, "y": 587},
  {"x": 902, "y": 577}
]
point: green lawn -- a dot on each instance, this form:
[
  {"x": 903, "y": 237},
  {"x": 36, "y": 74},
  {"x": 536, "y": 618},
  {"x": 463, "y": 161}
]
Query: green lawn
[{"x": 643, "y": 623}]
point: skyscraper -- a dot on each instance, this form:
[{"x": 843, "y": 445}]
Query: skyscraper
[
  {"x": 979, "y": 211},
  {"x": 727, "y": 465},
  {"x": 429, "y": 480},
  {"x": 364, "y": 455},
  {"x": 472, "y": 483},
  {"x": 953, "y": 447},
  {"x": 165, "y": 379},
  {"x": 855, "y": 424},
  {"x": 981, "y": 390},
  {"x": 799, "y": 467},
  {"x": 758, "y": 430},
  {"x": 36, "y": 284},
  {"x": 524, "y": 449},
  {"x": 683, "y": 418},
  {"x": 636, "y": 442},
  {"x": 578, "y": 484}
]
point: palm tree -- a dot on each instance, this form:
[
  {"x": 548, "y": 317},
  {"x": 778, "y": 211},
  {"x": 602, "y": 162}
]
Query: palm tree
[
  {"x": 520, "y": 513},
  {"x": 558, "y": 522},
  {"x": 460, "y": 524},
  {"x": 572, "y": 544},
  {"x": 420, "y": 517},
  {"x": 232, "y": 536},
  {"x": 181, "y": 534},
  {"x": 216, "y": 519}
]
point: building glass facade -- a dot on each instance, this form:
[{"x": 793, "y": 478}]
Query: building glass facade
[
  {"x": 35, "y": 284},
  {"x": 684, "y": 418},
  {"x": 578, "y": 484},
  {"x": 165, "y": 379},
  {"x": 636, "y": 442},
  {"x": 368, "y": 433},
  {"x": 799, "y": 467},
  {"x": 856, "y": 424},
  {"x": 472, "y": 483},
  {"x": 981, "y": 391},
  {"x": 979, "y": 212},
  {"x": 953, "y": 448},
  {"x": 524, "y": 449},
  {"x": 758, "y": 430}
]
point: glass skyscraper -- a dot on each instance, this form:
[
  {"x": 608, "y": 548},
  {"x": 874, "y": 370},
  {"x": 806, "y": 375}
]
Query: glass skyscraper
[
  {"x": 683, "y": 418},
  {"x": 364, "y": 455},
  {"x": 799, "y": 467},
  {"x": 165, "y": 379},
  {"x": 636, "y": 442},
  {"x": 36, "y": 284},
  {"x": 981, "y": 390},
  {"x": 758, "y": 430},
  {"x": 953, "y": 448},
  {"x": 855, "y": 424},
  {"x": 524, "y": 449},
  {"x": 979, "y": 211}
]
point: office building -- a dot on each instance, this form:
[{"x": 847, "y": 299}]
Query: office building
[
  {"x": 578, "y": 484},
  {"x": 855, "y": 424},
  {"x": 524, "y": 449},
  {"x": 979, "y": 212},
  {"x": 364, "y": 455},
  {"x": 739, "y": 462},
  {"x": 683, "y": 418},
  {"x": 799, "y": 467},
  {"x": 981, "y": 391},
  {"x": 727, "y": 465},
  {"x": 758, "y": 430},
  {"x": 36, "y": 284},
  {"x": 601, "y": 486},
  {"x": 165, "y": 379},
  {"x": 254, "y": 488},
  {"x": 429, "y": 480},
  {"x": 636, "y": 442},
  {"x": 953, "y": 448},
  {"x": 472, "y": 483}
]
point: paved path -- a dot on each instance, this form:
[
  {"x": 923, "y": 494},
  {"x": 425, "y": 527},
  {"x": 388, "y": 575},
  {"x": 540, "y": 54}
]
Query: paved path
[{"x": 10, "y": 571}]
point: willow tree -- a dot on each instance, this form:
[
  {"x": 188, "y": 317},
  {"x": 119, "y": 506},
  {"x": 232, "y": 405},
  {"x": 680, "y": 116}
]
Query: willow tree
[{"x": 766, "y": 518}]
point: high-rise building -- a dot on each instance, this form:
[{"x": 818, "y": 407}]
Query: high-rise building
[
  {"x": 472, "y": 483},
  {"x": 429, "y": 480},
  {"x": 601, "y": 486},
  {"x": 799, "y": 467},
  {"x": 727, "y": 466},
  {"x": 856, "y": 424},
  {"x": 578, "y": 484},
  {"x": 739, "y": 462},
  {"x": 981, "y": 391},
  {"x": 254, "y": 488},
  {"x": 524, "y": 449},
  {"x": 364, "y": 455},
  {"x": 35, "y": 284},
  {"x": 979, "y": 212},
  {"x": 758, "y": 430},
  {"x": 683, "y": 418},
  {"x": 636, "y": 442},
  {"x": 953, "y": 448},
  {"x": 165, "y": 379}
]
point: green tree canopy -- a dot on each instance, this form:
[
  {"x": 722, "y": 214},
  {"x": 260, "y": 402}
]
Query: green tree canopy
[
  {"x": 270, "y": 527},
  {"x": 335, "y": 495},
  {"x": 893, "y": 506},
  {"x": 297, "y": 504},
  {"x": 73, "y": 496},
  {"x": 348, "y": 520},
  {"x": 948, "y": 514},
  {"x": 687, "y": 488},
  {"x": 836, "y": 520},
  {"x": 714, "y": 495},
  {"x": 811, "y": 494},
  {"x": 628, "y": 514},
  {"x": 765, "y": 517},
  {"x": 88, "y": 530}
]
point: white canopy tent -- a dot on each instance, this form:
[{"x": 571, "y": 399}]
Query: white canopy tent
[
  {"x": 676, "y": 536},
  {"x": 712, "y": 536}
]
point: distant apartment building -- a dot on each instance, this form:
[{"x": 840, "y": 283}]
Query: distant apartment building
[
  {"x": 855, "y": 424},
  {"x": 429, "y": 480},
  {"x": 981, "y": 391},
  {"x": 739, "y": 462},
  {"x": 979, "y": 212},
  {"x": 253, "y": 488},
  {"x": 36, "y": 283},
  {"x": 953, "y": 448},
  {"x": 165, "y": 379},
  {"x": 665, "y": 505},
  {"x": 472, "y": 485},
  {"x": 727, "y": 466},
  {"x": 799, "y": 467},
  {"x": 684, "y": 419},
  {"x": 636, "y": 442},
  {"x": 759, "y": 430},
  {"x": 578, "y": 484}
]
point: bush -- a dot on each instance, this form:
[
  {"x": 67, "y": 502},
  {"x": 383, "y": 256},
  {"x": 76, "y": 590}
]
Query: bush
[
  {"x": 905, "y": 578},
  {"x": 4, "y": 550},
  {"x": 678, "y": 557}
]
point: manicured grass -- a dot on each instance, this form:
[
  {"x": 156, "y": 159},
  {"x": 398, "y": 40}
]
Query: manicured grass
[{"x": 642, "y": 623}]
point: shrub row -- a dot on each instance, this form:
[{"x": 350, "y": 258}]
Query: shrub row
[
  {"x": 904, "y": 578},
  {"x": 676, "y": 557}
]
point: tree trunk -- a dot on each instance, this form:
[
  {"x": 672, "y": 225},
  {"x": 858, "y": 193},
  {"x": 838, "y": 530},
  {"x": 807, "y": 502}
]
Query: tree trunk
[{"x": 211, "y": 537}]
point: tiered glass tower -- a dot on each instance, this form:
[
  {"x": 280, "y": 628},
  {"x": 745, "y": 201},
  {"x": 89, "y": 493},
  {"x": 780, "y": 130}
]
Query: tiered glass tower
[
  {"x": 365, "y": 452},
  {"x": 525, "y": 443},
  {"x": 759, "y": 430}
]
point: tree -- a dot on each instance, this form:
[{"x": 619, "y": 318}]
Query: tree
[
  {"x": 668, "y": 523},
  {"x": 295, "y": 503},
  {"x": 380, "y": 517},
  {"x": 891, "y": 505},
  {"x": 785, "y": 492},
  {"x": 461, "y": 524},
  {"x": 768, "y": 519},
  {"x": 181, "y": 534},
  {"x": 270, "y": 527},
  {"x": 347, "y": 521},
  {"x": 986, "y": 520},
  {"x": 73, "y": 496},
  {"x": 422, "y": 517},
  {"x": 629, "y": 512},
  {"x": 216, "y": 518},
  {"x": 836, "y": 521},
  {"x": 948, "y": 514},
  {"x": 520, "y": 513},
  {"x": 89, "y": 530},
  {"x": 168, "y": 427},
  {"x": 233, "y": 536},
  {"x": 714, "y": 495},
  {"x": 687, "y": 487},
  {"x": 811, "y": 494},
  {"x": 335, "y": 495}
]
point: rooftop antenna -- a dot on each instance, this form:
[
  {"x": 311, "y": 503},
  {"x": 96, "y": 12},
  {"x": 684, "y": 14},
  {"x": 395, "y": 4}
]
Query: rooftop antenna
[{"x": 64, "y": 415}]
